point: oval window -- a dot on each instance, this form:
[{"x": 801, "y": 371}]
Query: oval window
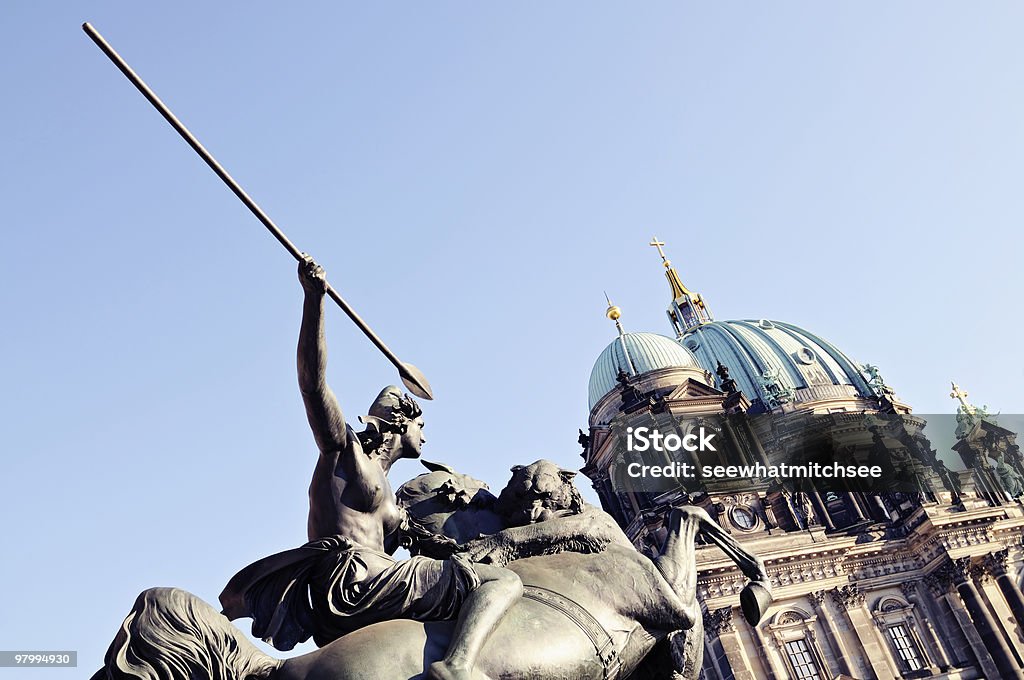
[
  {"x": 743, "y": 517},
  {"x": 805, "y": 355}
]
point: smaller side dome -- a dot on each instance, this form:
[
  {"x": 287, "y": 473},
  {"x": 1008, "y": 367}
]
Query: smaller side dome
[{"x": 636, "y": 353}]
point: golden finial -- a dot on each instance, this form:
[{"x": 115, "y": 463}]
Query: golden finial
[
  {"x": 674, "y": 282},
  {"x": 614, "y": 313}
]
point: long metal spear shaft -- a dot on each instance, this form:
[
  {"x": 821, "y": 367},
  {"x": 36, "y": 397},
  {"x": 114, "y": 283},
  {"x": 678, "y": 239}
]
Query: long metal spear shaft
[{"x": 411, "y": 376}]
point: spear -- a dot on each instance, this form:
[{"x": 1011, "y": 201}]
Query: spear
[{"x": 411, "y": 376}]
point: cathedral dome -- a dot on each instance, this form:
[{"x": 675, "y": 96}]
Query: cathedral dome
[
  {"x": 803, "y": 366},
  {"x": 636, "y": 354}
]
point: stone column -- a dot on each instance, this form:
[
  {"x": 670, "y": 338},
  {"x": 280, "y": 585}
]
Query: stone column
[
  {"x": 950, "y": 632},
  {"x": 881, "y": 513},
  {"x": 853, "y": 503},
  {"x": 843, "y": 658},
  {"x": 819, "y": 509},
  {"x": 941, "y": 584},
  {"x": 996, "y": 564},
  {"x": 851, "y": 600},
  {"x": 733, "y": 664},
  {"x": 910, "y": 591},
  {"x": 960, "y": 571}
]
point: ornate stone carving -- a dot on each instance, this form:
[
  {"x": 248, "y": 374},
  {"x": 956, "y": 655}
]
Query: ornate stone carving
[
  {"x": 789, "y": 618},
  {"x": 939, "y": 583},
  {"x": 960, "y": 570},
  {"x": 909, "y": 589},
  {"x": 892, "y": 605},
  {"x": 997, "y": 562},
  {"x": 979, "y": 573},
  {"x": 953, "y": 573},
  {"x": 718, "y": 621},
  {"x": 847, "y": 596}
]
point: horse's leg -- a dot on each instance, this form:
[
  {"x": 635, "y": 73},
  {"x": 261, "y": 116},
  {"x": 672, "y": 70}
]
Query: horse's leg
[
  {"x": 677, "y": 563},
  {"x": 686, "y": 649},
  {"x": 678, "y": 657},
  {"x": 678, "y": 559},
  {"x": 756, "y": 596},
  {"x": 751, "y": 565}
]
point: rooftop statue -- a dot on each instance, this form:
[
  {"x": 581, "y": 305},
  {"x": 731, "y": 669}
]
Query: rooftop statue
[{"x": 1011, "y": 480}]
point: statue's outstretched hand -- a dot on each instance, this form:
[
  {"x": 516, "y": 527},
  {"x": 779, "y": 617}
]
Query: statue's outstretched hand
[
  {"x": 590, "y": 530},
  {"x": 312, "y": 275},
  {"x": 497, "y": 549},
  {"x": 421, "y": 541}
]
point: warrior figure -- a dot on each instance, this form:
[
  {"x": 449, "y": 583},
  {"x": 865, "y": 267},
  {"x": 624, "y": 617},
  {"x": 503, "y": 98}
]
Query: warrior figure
[{"x": 355, "y": 525}]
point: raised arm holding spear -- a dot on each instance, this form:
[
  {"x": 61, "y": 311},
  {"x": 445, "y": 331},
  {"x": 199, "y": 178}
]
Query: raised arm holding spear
[{"x": 411, "y": 376}]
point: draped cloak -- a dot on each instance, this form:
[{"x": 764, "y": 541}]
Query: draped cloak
[{"x": 324, "y": 589}]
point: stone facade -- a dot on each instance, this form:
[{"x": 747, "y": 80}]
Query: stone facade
[{"x": 866, "y": 587}]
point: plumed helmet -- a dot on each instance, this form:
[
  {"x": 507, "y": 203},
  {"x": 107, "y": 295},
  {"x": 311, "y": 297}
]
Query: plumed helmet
[{"x": 393, "y": 406}]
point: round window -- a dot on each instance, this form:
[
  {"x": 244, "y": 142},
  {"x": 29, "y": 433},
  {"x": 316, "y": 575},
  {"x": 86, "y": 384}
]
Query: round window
[
  {"x": 743, "y": 517},
  {"x": 805, "y": 355}
]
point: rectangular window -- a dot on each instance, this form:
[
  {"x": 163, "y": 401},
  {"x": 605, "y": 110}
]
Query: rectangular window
[
  {"x": 803, "y": 663},
  {"x": 905, "y": 647}
]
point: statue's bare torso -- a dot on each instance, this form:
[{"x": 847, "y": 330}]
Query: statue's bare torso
[{"x": 350, "y": 495}]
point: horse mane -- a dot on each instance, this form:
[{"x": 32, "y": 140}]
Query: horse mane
[{"x": 171, "y": 634}]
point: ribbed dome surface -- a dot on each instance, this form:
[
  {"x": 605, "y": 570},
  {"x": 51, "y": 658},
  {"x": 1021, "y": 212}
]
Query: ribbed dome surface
[
  {"x": 647, "y": 352},
  {"x": 751, "y": 348}
]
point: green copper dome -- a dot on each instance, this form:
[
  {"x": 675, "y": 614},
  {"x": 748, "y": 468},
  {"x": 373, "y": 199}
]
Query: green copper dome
[
  {"x": 799, "y": 362},
  {"x": 635, "y": 353}
]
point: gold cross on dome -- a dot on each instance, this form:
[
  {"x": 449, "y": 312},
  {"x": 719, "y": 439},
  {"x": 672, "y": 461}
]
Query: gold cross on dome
[{"x": 658, "y": 244}]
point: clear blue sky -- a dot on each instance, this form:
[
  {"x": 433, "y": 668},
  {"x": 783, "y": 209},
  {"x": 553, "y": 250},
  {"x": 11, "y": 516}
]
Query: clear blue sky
[{"x": 472, "y": 176}]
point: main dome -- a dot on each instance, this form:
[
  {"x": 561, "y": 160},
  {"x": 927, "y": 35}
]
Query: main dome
[
  {"x": 800, "y": 361},
  {"x": 646, "y": 352}
]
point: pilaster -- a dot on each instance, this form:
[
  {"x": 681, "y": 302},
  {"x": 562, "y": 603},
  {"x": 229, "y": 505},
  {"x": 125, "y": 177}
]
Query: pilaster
[{"x": 851, "y": 600}]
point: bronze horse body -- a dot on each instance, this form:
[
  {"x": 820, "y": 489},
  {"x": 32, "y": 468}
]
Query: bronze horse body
[
  {"x": 536, "y": 639},
  {"x": 584, "y": 616}
]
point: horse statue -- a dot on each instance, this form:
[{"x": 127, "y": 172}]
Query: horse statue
[{"x": 593, "y": 607}]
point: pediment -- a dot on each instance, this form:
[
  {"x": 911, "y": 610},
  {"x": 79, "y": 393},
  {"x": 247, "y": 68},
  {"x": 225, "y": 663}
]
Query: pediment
[{"x": 692, "y": 389}]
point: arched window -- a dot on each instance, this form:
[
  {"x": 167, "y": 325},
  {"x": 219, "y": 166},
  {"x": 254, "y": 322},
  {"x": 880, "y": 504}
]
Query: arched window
[
  {"x": 895, "y": 618},
  {"x": 793, "y": 633}
]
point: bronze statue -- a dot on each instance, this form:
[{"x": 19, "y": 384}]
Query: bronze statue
[
  {"x": 594, "y": 608},
  {"x": 355, "y": 525}
]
